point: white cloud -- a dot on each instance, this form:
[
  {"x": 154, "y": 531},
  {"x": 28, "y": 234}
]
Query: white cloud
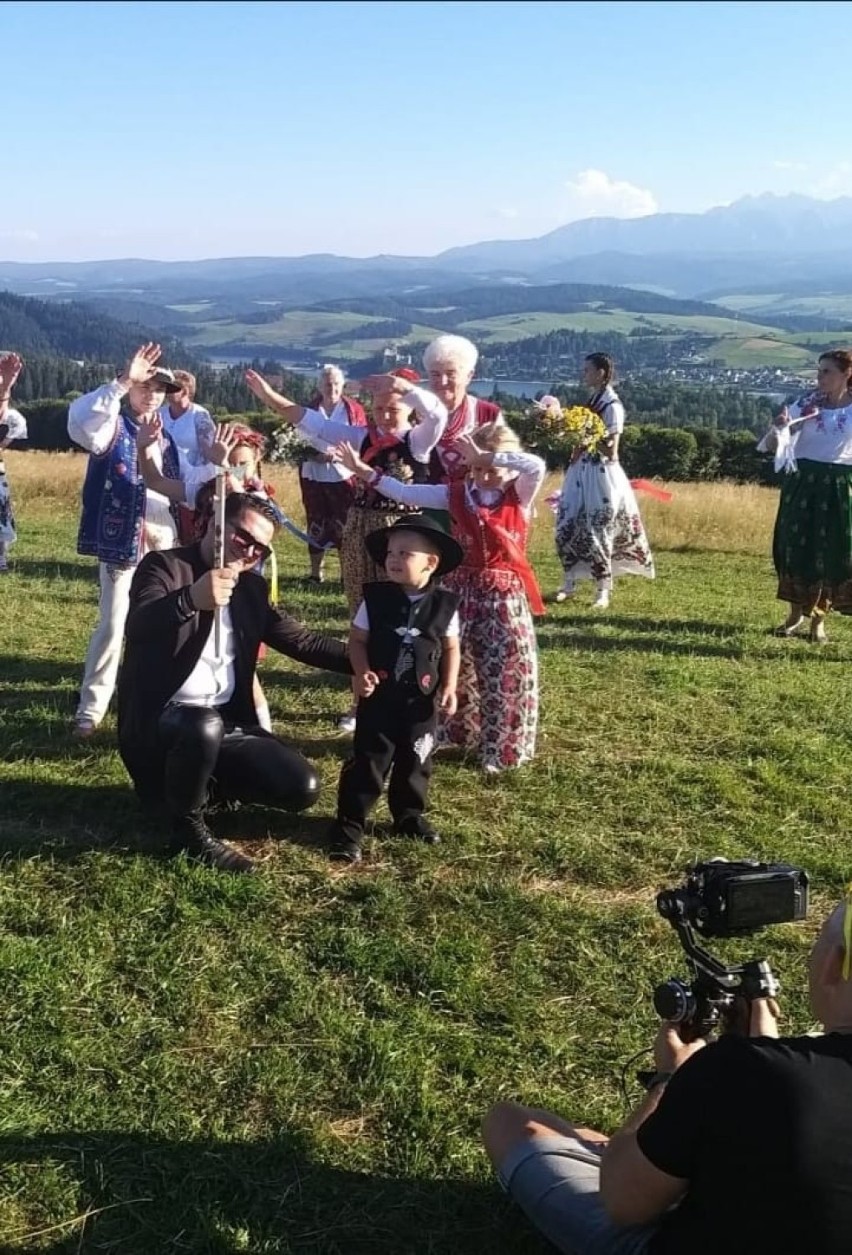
[
  {"x": 23, "y": 236},
  {"x": 594, "y": 194},
  {"x": 835, "y": 182},
  {"x": 508, "y": 212},
  {"x": 789, "y": 165}
]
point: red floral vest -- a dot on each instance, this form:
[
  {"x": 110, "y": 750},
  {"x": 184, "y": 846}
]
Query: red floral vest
[{"x": 494, "y": 538}]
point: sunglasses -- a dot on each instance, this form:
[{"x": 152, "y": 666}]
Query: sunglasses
[{"x": 247, "y": 545}]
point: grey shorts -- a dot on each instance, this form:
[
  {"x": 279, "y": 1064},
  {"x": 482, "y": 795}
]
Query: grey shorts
[{"x": 555, "y": 1180}]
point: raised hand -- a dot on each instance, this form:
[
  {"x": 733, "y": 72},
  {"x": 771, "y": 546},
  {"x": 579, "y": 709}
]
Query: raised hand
[
  {"x": 11, "y": 366},
  {"x": 258, "y": 386},
  {"x": 143, "y": 364},
  {"x": 149, "y": 431},
  {"x": 351, "y": 459},
  {"x": 471, "y": 452},
  {"x": 385, "y": 384},
  {"x": 224, "y": 442}
]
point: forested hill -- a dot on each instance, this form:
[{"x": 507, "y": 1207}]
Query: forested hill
[{"x": 67, "y": 329}]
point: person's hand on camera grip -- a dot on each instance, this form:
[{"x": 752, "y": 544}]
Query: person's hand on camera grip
[
  {"x": 671, "y": 1048},
  {"x": 752, "y": 1017}
]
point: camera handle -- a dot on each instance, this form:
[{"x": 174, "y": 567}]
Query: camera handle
[{"x": 753, "y": 979}]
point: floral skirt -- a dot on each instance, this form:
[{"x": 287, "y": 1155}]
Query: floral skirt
[
  {"x": 599, "y": 532},
  {"x": 812, "y": 543},
  {"x": 357, "y": 568},
  {"x": 326, "y": 508},
  {"x": 497, "y": 713},
  {"x": 8, "y": 534}
]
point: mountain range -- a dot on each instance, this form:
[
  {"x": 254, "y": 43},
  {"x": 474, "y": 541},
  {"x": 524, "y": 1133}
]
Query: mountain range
[{"x": 756, "y": 242}]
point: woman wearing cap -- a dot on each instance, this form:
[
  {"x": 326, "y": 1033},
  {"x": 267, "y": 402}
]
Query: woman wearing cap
[
  {"x": 121, "y": 520},
  {"x": 450, "y": 362},
  {"x": 327, "y": 487},
  {"x": 13, "y": 426},
  {"x": 599, "y": 532},
  {"x": 390, "y": 444}
]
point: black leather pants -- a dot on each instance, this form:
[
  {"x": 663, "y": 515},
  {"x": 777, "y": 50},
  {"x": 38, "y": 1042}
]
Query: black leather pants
[{"x": 240, "y": 764}]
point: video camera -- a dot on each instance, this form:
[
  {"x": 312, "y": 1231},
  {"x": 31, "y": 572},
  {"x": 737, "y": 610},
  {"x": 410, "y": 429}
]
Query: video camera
[{"x": 722, "y": 899}]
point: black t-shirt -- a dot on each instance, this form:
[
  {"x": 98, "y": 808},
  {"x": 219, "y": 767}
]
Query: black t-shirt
[{"x": 762, "y": 1130}]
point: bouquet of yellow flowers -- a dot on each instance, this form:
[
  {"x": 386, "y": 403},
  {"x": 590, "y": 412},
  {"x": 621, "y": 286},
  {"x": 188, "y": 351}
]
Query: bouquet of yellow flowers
[{"x": 564, "y": 431}]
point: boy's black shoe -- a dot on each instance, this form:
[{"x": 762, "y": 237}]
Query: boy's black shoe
[
  {"x": 192, "y": 834},
  {"x": 420, "y": 829},
  {"x": 343, "y": 846}
]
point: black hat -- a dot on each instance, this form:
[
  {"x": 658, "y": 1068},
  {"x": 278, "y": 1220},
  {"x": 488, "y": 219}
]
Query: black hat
[
  {"x": 165, "y": 378},
  {"x": 450, "y": 552}
]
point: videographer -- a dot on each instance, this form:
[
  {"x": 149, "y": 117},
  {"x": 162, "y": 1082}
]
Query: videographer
[{"x": 743, "y": 1144}]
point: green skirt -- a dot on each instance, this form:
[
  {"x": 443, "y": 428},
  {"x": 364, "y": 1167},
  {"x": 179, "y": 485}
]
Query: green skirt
[{"x": 812, "y": 544}]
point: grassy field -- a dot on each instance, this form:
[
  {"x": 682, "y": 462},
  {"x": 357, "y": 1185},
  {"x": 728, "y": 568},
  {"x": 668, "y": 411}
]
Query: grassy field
[
  {"x": 738, "y": 343},
  {"x": 298, "y": 1062},
  {"x": 829, "y": 304}
]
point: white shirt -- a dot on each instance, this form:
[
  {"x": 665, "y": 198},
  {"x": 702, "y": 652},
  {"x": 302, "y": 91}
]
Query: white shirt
[
  {"x": 432, "y": 419},
  {"x": 529, "y": 473},
  {"x": 611, "y": 411},
  {"x": 362, "y": 616},
  {"x": 192, "y": 432},
  {"x": 17, "y": 425},
  {"x": 330, "y": 472},
  {"x": 211, "y": 681},
  {"x": 825, "y": 437}
]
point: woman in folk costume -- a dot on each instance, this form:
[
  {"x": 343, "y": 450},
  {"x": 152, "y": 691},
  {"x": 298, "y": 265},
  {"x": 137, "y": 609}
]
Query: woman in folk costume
[
  {"x": 121, "y": 519},
  {"x": 450, "y": 363},
  {"x": 13, "y": 426},
  {"x": 327, "y": 487},
  {"x": 489, "y": 510},
  {"x": 391, "y": 443},
  {"x": 812, "y": 544},
  {"x": 599, "y": 532}
]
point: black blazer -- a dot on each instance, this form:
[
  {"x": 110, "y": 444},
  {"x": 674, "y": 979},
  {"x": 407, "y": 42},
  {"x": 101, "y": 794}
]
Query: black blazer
[{"x": 161, "y": 650}]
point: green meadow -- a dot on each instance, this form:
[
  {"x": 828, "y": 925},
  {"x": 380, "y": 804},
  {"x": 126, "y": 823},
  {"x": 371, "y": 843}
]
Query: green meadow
[{"x": 299, "y": 1061}]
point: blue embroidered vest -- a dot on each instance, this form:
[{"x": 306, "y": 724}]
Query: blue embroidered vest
[{"x": 114, "y": 497}]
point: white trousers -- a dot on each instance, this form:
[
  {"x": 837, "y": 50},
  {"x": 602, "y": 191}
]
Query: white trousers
[{"x": 100, "y": 670}]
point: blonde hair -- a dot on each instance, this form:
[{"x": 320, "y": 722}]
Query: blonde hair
[
  {"x": 496, "y": 437},
  {"x": 187, "y": 381}
]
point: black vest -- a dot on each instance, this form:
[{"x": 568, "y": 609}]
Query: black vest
[
  {"x": 391, "y": 461},
  {"x": 391, "y": 616}
]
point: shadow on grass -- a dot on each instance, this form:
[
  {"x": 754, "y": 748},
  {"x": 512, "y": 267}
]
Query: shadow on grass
[
  {"x": 137, "y": 1195},
  {"x": 63, "y": 820},
  {"x": 57, "y": 569}
]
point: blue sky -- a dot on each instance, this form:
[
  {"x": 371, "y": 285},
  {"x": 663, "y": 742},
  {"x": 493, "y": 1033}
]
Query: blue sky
[{"x": 185, "y": 130}]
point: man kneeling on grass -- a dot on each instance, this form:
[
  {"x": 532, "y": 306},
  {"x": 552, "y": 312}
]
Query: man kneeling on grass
[{"x": 187, "y": 726}]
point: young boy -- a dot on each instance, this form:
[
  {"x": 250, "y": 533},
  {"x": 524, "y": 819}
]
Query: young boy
[{"x": 404, "y": 650}]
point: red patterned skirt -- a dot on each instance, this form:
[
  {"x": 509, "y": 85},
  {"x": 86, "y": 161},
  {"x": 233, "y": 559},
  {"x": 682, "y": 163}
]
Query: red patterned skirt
[
  {"x": 497, "y": 714},
  {"x": 326, "y": 507}
]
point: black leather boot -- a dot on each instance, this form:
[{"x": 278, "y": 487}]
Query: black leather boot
[{"x": 193, "y": 835}]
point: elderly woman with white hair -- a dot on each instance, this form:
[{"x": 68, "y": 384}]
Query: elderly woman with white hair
[
  {"x": 327, "y": 487},
  {"x": 450, "y": 363}
]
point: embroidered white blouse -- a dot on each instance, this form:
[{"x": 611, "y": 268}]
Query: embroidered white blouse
[{"x": 821, "y": 435}]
